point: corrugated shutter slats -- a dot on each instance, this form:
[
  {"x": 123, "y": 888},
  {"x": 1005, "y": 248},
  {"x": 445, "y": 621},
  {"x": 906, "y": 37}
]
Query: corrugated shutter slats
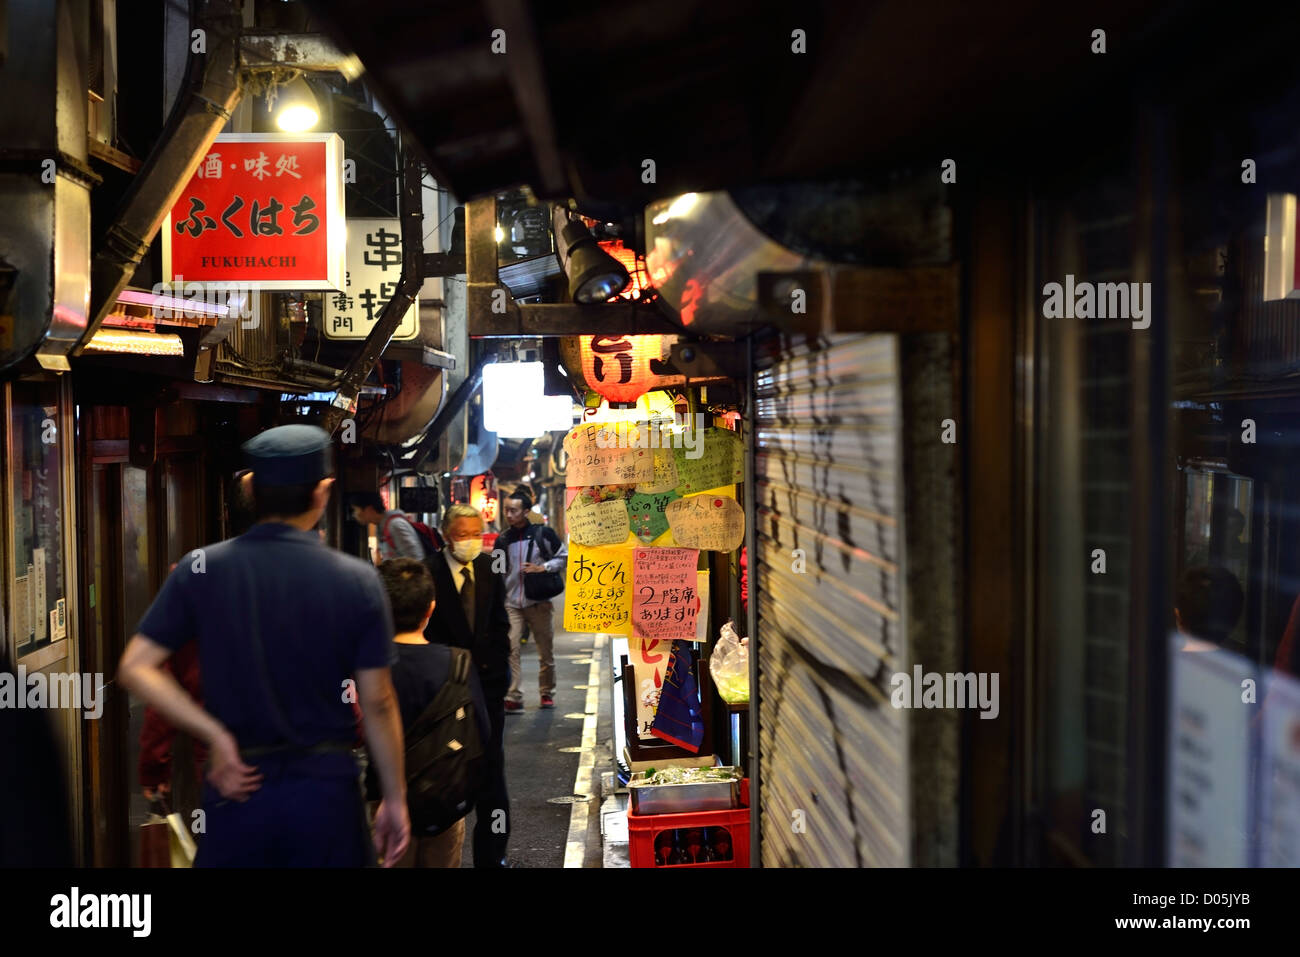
[{"x": 829, "y": 604}]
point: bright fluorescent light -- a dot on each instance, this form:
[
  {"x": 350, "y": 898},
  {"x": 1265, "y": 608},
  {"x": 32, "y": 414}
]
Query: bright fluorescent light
[
  {"x": 514, "y": 405},
  {"x": 136, "y": 343}
]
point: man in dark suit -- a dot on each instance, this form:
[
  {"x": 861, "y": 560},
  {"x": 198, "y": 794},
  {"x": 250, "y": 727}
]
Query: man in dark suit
[{"x": 478, "y": 621}]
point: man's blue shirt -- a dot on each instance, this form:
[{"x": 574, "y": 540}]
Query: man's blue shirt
[{"x": 322, "y": 616}]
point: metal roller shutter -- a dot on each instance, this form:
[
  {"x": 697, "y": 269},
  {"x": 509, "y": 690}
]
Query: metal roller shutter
[{"x": 830, "y": 633}]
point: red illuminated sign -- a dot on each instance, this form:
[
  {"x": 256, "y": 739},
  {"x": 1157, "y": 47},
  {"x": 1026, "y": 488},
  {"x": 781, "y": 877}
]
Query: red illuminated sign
[{"x": 264, "y": 210}]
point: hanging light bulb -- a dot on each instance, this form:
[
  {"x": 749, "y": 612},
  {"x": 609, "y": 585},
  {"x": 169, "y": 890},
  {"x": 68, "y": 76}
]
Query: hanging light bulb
[{"x": 297, "y": 110}]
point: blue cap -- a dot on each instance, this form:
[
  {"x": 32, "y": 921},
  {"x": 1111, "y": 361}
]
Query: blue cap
[{"x": 290, "y": 455}]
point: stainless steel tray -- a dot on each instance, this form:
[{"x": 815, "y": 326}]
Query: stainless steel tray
[{"x": 680, "y": 798}]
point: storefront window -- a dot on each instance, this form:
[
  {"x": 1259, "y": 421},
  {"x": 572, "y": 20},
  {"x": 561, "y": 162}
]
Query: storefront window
[
  {"x": 38, "y": 613},
  {"x": 1217, "y": 531}
]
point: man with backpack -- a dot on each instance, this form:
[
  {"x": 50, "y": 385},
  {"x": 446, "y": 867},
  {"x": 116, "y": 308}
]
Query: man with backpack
[
  {"x": 444, "y": 720},
  {"x": 399, "y": 535},
  {"x": 530, "y": 549}
]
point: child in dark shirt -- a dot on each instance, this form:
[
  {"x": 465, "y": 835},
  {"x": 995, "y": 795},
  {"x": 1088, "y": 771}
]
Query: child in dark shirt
[{"x": 420, "y": 670}]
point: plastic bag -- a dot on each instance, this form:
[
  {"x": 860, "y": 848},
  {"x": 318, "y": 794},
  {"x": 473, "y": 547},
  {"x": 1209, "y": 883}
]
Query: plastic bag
[{"x": 729, "y": 666}]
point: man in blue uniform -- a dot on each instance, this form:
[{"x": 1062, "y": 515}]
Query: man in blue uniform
[{"x": 291, "y": 634}]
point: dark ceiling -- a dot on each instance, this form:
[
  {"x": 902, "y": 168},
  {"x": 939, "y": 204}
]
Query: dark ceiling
[{"x": 712, "y": 92}]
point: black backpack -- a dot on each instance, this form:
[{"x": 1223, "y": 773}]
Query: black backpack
[{"x": 445, "y": 763}]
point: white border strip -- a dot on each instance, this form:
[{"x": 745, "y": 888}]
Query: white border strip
[{"x": 575, "y": 851}]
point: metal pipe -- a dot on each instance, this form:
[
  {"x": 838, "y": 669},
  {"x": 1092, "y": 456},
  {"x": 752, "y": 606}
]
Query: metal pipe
[
  {"x": 325, "y": 372},
  {"x": 203, "y": 108},
  {"x": 410, "y": 209},
  {"x": 449, "y": 411}
]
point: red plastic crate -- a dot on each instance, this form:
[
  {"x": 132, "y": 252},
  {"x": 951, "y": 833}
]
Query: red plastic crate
[{"x": 642, "y": 830}]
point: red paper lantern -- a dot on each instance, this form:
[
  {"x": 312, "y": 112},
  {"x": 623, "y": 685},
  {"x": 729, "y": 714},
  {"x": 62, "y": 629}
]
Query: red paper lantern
[
  {"x": 483, "y": 496},
  {"x": 618, "y": 367}
]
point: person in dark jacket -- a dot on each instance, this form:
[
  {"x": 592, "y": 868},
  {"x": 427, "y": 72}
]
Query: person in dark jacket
[
  {"x": 475, "y": 618},
  {"x": 422, "y": 668},
  {"x": 529, "y": 548}
]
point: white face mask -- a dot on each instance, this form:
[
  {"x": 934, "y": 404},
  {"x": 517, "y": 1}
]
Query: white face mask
[{"x": 467, "y": 550}]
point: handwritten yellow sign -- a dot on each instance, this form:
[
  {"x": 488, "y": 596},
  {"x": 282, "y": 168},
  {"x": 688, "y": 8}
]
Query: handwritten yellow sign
[
  {"x": 598, "y": 590},
  {"x": 607, "y": 453},
  {"x": 665, "y": 477},
  {"x": 710, "y": 522},
  {"x": 597, "y": 523}
]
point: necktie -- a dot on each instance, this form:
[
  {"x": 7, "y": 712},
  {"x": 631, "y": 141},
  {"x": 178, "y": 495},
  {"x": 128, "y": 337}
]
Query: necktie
[{"x": 467, "y": 596}]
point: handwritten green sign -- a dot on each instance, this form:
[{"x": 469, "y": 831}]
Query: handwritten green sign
[
  {"x": 648, "y": 514},
  {"x": 719, "y": 461}
]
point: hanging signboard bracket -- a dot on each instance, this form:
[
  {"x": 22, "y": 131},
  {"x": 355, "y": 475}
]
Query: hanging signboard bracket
[{"x": 493, "y": 312}]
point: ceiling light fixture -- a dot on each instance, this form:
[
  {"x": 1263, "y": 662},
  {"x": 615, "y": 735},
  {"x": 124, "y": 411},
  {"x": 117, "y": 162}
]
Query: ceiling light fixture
[
  {"x": 594, "y": 275},
  {"x": 297, "y": 110}
]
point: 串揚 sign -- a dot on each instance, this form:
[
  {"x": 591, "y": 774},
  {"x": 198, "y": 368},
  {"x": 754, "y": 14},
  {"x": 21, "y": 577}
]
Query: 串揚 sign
[{"x": 374, "y": 268}]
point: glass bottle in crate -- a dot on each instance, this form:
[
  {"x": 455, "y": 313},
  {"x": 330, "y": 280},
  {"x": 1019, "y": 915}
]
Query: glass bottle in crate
[
  {"x": 708, "y": 854},
  {"x": 694, "y": 845},
  {"x": 679, "y": 855},
  {"x": 663, "y": 848},
  {"x": 722, "y": 844}
]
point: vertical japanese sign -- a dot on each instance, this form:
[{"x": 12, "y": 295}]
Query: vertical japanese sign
[
  {"x": 264, "y": 210},
  {"x": 374, "y": 268}
]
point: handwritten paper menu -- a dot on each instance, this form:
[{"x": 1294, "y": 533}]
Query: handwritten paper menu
[
  {"x": 665, "y": 602},
  {"x": 597, "y": 523},
  {"x": 665, "y": 474},
  {"x": 710, "y": 522},
  {"x": 598, "y": 590},
  {"x": 718, "y": 458},
  {"x": 607, "y": 454},
  {"x": 648, "y": 514}
]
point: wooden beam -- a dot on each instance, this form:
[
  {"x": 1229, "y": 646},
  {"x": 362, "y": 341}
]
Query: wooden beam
[
  {"x": 993, "y": 507},
  {"x": 114, "y": 157},
  {"x": 531, "y": 320},
  {"x": 856, "y": 299},
  {"x": 523, "y": 62}
]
